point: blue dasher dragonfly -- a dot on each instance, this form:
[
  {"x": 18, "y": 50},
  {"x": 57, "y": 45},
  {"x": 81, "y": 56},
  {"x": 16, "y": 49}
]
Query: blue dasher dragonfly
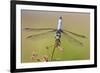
[{"x": 58, "y": 34}]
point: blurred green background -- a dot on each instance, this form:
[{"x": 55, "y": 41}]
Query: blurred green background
[{"x": 72, "y": 21}]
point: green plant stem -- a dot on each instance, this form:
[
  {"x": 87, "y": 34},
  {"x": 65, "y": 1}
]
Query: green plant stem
[{"x": 53, "y": 53}]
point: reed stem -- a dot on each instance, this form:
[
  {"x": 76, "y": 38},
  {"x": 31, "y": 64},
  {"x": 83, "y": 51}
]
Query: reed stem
[{"x": 52, "y": 53}]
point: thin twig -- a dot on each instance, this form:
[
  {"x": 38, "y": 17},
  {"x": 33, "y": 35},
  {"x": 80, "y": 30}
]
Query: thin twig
[{"x": 53, "y": 53}]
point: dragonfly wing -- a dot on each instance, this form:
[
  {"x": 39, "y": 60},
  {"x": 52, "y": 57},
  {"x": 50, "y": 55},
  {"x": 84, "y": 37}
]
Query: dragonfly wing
[
  {"x": 78, "y": 35},
  {"x": 34, "y": 36},
  {"x": 38, "y": 29},
  {"x": 73, "y": 40}
]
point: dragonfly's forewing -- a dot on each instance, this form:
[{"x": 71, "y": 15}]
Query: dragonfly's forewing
[
  {"x": 38, "y": 29},
  {"x": 78, "y": 35}
]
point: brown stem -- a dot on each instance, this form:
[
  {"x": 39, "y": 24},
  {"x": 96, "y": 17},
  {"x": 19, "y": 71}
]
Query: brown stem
[
  {"x": 57, "y": 43},
  {"x": 52, "y": 53}
]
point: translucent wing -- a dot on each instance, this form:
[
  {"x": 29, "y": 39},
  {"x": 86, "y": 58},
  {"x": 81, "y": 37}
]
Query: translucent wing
[
  {"x": 38, "y": 29},
  {"x": 71, "y": 39},
  {"x": 78, "y": 35},
  {"x": 33, "y": 36}
]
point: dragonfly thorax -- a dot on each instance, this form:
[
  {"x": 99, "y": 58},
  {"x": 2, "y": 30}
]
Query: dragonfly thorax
[{"x": 58, "y": 35}]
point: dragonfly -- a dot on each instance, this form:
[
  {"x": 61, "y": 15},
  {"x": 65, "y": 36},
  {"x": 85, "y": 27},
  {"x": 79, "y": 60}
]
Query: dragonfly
[
  {"x": 58, "y": 31},
  {"x": 58, "y": 34}
]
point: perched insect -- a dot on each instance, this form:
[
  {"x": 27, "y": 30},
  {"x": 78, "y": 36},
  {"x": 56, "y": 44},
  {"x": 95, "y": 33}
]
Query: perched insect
[
  {"x": 58, "y": 31},
  {"x": 58, "y": 34}
]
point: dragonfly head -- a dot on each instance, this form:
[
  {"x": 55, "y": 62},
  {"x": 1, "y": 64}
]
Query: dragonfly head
[{"x": 60, "y": 17}]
